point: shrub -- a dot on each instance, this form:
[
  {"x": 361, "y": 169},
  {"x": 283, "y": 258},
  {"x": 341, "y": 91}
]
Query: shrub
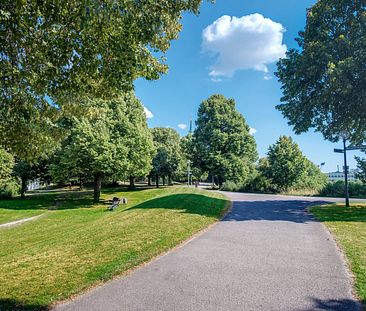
[
  {"x": 336, "y": 189},
  {"x": 9, "y": 189},
  {"x": 231, "y": 186}
]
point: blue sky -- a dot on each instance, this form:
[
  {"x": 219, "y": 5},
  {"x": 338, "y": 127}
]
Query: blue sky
[{"x": 238, "y": 70}]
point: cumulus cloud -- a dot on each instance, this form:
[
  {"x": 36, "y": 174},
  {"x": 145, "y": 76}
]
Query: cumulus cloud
[
  {"x": 148, "y": 113},
  {"x": 249, "y": 42},
  {"x": 252, "y": 131},
  {"x": 182, "y": 126}
]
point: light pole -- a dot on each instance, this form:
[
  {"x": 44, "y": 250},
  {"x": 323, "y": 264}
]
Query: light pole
[
  {"x": 346, "y": 190},
  {"x": 345, "y": 137}
]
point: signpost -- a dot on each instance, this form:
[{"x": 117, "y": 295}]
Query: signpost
[{"x": 345, "y": 168}]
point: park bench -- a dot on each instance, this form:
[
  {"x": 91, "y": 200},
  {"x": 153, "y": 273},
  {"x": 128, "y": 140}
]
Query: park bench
[{"x": 115, "y": 203}]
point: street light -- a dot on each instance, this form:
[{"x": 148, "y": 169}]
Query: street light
[{"x": 345, "y": 135}]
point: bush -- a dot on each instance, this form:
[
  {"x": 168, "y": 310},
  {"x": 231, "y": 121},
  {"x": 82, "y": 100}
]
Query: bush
[
  {"x": 336, "y": 189},
  {"x": 9, "y": 189},
  {"x": 259, "y": 183},
  {"x": 231, "y": 186}
]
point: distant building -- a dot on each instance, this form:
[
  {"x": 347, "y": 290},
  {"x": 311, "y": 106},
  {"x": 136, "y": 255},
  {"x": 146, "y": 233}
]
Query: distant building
[{"x": 336, "y": 176}]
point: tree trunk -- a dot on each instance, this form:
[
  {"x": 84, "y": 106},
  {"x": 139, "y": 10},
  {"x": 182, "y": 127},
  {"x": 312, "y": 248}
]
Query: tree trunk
[
  {"x": 163, "y": 180},
  {"x": 24, "y": 187},
  {"x": 81, "y": 185},
  {"x": 157, "y": 181},
  {"x": 97, "y": 186},
  {"x": 132, "y": 183},
  {"x": 169, "y": 179},
  {"x": 149, "y": 180}
]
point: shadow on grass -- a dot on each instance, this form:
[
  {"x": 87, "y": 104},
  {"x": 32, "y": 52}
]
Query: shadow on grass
[
  {"x": 14, "y": 305},
  {"x": 68, "y": 199},
  {"x": 334, "y": 305},
  {"x": 187, "y": 203}
]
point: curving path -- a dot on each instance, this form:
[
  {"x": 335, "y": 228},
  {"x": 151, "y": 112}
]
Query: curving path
[{"x": 267, "y": 254}]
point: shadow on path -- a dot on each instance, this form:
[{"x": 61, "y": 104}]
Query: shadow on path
[
  {"x": 333, "y": 305},
  {"x": 272, "y": 210}
]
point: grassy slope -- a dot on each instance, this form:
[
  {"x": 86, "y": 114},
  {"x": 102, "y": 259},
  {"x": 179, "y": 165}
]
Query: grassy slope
[
  {"x": 79, "y": 245},
  {"x": 349, "y": 227}
]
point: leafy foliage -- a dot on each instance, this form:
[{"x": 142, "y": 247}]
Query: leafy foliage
[
  {"x": 286, "y": 163},
  {"x": 221, "y": 143},
  {"x": 168, "y": 152},
  {"x": 111, "y": 140},
  {"x": 361, "y": 165},
  {"x": 336, "y": 189},
  {"x": 8, "y": 185},
  {"x": 323, "y": 82},
  {"x": 53, "y": 52}
]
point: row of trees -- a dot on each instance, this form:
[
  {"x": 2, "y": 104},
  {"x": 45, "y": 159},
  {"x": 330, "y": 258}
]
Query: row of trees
[{"x": 107, "y": 140}]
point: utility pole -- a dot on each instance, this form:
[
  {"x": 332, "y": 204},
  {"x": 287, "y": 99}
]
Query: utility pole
[{"x": 346, "y": 190}]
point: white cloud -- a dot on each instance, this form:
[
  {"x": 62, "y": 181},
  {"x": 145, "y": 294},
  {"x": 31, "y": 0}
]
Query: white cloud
[
  {"x": 252, "y": 131},
  {"x": 182, "y": 126},
  {"x": 149, "y": 114},
  {"x": 248, "y": 42}
]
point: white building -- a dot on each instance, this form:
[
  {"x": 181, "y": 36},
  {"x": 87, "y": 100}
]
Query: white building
[{"x": 336, "y": 176}]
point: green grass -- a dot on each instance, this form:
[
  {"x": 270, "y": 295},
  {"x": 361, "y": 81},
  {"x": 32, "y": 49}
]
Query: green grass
[
  {"x": 349, "y": 227},
  {"x": 79, "y": 245}
]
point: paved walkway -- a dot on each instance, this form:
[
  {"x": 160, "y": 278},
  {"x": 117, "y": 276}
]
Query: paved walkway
[
  {"x": 19, "y": 222},
  {"x": 267, "y": 254}
]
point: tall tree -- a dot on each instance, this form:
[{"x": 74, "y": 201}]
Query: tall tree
[
  {"x": 286, "y": 163},
  {"x": 361, "y": 165},
  {"x": 222, "y": 144},
  {"x": 97, "y": 144},
  {"x": 324, "y": 81},
  {"x": 54, "y": 51},
  {"x": 139, "y": 140},
  {"x": 168, "y": 153}
]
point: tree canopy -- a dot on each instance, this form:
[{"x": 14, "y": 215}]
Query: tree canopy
[
  {"x": 324, "y": 81},
  {"x": 361, "y": 165},
  {"x": 168, "y": 152},
  {"x": 221, "y": 143},
  {"x": 286, "y": 167},
  {"x": 110, "y": 140},
  {"x": 54, "y": 52}
]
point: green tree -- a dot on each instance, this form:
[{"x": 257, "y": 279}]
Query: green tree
[
  {"x": 312, "y": 178},
  {"x": 324, "y": 81},
  {"x": 221, "y": 142},
  {"x": 361, "y": 165},
  {"x": 139, "y": 141},
  {"x": 168, "y": 153},
  {"x": 8, "y": 185},
  {"x": 97, "y": 144},
  {"x": 286, "y": 163},
  {"x": 25, "y": 172},
  {"x": 53, "y": 52}
]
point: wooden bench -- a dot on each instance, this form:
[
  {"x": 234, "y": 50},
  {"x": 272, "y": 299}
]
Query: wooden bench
[{"x": 115, "y": 203}]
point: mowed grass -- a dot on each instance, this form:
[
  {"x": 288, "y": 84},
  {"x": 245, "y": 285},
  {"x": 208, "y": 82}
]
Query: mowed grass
[
  {"x": 79, "y": 245},
  {"x": 349, "y": 227}
]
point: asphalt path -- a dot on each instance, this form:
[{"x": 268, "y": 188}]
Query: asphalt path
[{"x": 268, "y": 253}]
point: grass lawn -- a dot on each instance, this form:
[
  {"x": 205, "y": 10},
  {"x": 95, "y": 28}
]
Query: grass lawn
[
  {"x": 349, "y": 227},
  {"x": 79, "y": 244}
]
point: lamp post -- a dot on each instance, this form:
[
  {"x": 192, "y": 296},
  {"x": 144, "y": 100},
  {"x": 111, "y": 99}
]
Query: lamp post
[
  {"x": 344, "y": 134},
  {"x": 346, "y": 189}
]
